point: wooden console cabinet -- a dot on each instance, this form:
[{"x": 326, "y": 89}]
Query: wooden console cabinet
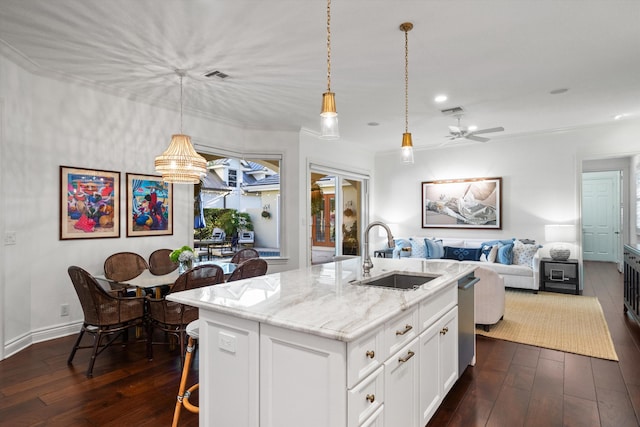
[{"x": 632, "y": 282}]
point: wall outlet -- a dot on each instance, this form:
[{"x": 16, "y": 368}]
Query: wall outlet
[
  {"x": 10, "y": 238},
  {"x": 227, "y": 342},
  {"x": 64, "y": 309}
]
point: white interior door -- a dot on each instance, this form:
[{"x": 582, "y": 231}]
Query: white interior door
[{"x": 601, "y": 215}]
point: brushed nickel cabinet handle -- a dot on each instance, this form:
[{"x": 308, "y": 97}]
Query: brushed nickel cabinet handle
[
  {"x": 409, "y": 355},
  {"x": 407, "y": 328},
  {"x": 371, "y": 398},
  {"x": 371, "y": 354}
]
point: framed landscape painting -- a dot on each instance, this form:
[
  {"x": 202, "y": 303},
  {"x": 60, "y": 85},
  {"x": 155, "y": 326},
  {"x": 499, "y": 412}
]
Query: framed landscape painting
[
  {"x": 89, "y": 203},
  {"x": 149, "y": 206},
  {"x": 462, "y": 203}
]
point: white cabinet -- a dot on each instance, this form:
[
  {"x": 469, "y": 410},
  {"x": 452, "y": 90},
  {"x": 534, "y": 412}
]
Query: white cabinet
[
  {"x": 302, "y": 377},
  {"x": 438, "y": 363},
  {"x": 257, "y": 374},
  {"x": 402, "y": 386},
  {"x": 229, "y": 354}
]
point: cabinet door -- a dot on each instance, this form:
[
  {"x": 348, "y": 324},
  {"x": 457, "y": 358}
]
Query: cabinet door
[
  {"x": 302, "y": 380},
  {"x": 438, "y": 363},
  {"x": 401, "y": 387},
  {"x": 430, "y": 382},
  {"x": 449, "y": 350}
]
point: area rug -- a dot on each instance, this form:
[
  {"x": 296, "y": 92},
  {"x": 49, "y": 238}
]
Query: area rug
[{"x": 569, "y": 323}]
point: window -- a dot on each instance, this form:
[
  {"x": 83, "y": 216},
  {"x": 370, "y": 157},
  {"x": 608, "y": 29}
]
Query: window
[
  {"x": 232, "y": 178},
  {"x": 241, "y": 194}
]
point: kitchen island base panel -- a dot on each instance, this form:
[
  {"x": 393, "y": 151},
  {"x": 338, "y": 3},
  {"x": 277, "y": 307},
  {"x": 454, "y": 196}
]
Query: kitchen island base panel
[{"x": 229, "y": 371}]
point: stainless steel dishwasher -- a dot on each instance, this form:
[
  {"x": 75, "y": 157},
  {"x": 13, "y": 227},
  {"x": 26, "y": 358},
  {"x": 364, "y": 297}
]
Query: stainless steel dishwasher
[{"x": 466, "y": 322}]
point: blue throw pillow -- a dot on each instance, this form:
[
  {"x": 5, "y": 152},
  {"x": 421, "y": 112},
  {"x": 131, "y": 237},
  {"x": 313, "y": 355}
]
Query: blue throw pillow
[
  {"x": 462, "y": 254},
  {"x": 495, "y": 242},
  {"x": 397, "y": 250},
  {"x": 505, "y": 254},
  {"x": 435, "y": 249}
]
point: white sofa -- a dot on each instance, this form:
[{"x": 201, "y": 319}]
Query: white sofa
[{"x": 514, "y": 275}]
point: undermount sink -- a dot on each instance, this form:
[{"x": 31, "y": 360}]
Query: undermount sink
[{"x": 399, "y": 281}]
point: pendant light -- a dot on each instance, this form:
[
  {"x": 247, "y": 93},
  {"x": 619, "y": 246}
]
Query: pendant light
[
  {"x": 328, "y": 114},
  {"x": 407, "y": 143},
  {"x": 180, "y": 164}
]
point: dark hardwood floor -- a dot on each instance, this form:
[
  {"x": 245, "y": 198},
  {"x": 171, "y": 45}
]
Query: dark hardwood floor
[
  {"x": 521, "y": 385},
  {"x": 511, "y": 384}
]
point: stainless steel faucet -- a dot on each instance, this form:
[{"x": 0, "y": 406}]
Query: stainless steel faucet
[{"x": 368, "y": 265}]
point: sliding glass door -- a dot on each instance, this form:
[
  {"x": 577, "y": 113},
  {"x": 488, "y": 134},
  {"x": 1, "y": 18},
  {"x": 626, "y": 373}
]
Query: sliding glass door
[{"x": 337, "y": 208}]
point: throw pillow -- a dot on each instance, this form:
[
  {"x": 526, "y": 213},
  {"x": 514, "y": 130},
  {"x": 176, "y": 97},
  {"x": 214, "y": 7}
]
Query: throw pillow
[
  {"x": 523, "y": 253},
  {"x": 397, "y": 250},
  {"x": 462, "y": 254},
  {"x": 418, "y": 248},
  {"x": 435, "y": 249},
  {"x": 495, "y": 242},
  {"x": 489, "y": 253},
  {"x": 505, "y": 254}
]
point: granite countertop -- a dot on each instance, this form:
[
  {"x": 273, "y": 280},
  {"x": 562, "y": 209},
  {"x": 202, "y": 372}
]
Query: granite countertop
[{"x": 320, "y": 300}]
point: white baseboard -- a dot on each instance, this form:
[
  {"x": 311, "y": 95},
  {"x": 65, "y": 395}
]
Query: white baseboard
[{"x": 39, "y": 335}]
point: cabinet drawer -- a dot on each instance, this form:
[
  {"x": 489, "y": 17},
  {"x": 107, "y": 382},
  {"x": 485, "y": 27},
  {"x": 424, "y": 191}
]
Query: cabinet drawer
[
  {"x": 364, "y": 356},
  {"x": 400, "y": 330},
  {"x": 376, "y": 420},
  {"x": 366, "y": 398},
  {"x": 435, "y": 307}
]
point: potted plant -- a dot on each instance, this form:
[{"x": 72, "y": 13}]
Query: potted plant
[{"x": 185, "y": 256}]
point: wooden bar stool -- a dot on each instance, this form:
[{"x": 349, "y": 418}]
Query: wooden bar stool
[{"x": 183, "y": 396}]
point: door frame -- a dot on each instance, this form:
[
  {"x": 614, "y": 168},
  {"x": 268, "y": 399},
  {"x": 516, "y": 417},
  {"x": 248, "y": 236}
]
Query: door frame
[
  {"x": 622, "y": 163},
  {"x": 340, "y": 174}
]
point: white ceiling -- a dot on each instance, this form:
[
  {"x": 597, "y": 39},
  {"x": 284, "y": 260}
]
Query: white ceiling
[{"x": 498, "y": 59}]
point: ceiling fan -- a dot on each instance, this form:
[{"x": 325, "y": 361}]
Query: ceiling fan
[{"x": 459, "y": 132}]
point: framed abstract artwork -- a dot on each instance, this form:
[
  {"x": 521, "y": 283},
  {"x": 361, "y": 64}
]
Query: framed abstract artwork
[
  {"x": 149, "y": 206},
  {"x": 462, "y": 203},
  {"x": 89, "y": 203}
]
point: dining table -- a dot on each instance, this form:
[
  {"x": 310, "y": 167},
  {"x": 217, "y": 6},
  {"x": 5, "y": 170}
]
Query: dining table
[{"x": 147, "y": 280}]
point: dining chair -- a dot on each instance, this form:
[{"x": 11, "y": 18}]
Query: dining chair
[
  {"x": 172, "y": 317},
  {"x": 105, "y": 315},
  {"x": 243, "y": 255},
  {"x": 250, "y": 268},
  {"x": 124, "y": 266},
  {"x": 160, "y": 263}
]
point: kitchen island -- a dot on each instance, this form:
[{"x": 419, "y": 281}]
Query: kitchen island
[{"x": 312, "y": 347}]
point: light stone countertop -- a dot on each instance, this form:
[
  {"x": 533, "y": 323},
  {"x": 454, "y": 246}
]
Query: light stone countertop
[{"x": 320, "y": 300}]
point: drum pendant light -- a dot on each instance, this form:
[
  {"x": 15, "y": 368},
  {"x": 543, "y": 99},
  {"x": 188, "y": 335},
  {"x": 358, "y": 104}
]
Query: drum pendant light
[
  {"x": 180, "y": 163},
  {"x": 328, "y": 114},
  {"x": 407, "y": 143}
]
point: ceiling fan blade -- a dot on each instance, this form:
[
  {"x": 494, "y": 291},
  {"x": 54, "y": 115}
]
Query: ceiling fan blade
[
  {"x": 477, "y": 138},
  {"x": 498, "y": 129}
]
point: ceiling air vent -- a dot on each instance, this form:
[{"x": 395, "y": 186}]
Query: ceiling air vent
[
  {"x": 218, "y": 74},
  {"x": 452, "y": 111}
]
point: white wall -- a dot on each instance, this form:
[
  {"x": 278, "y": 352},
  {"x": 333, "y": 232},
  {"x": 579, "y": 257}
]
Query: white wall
[
  {"x": 541, "y": 177},
  {"x": 49, "y": 123},
  {"x": 334, "y": 154}
]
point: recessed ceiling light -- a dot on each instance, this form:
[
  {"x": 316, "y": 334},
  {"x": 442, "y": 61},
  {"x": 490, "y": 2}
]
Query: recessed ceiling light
[
  {"x": 373, "y": 124},
  {"x": 558, "y": 91},
  {"x": 620, "y": 116},
  {"x": 440, "y": 98}
]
